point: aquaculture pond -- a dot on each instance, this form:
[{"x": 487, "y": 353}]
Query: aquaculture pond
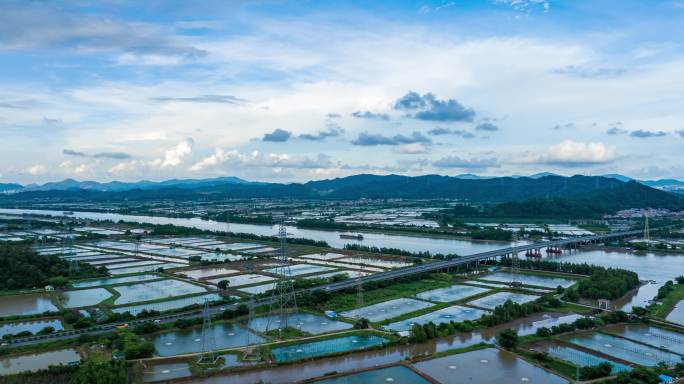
[
  {"x": 307, "y": 322},
  {"x": 455, "y": 313},
  {"x": 374, "y": 262},
  {"x": 453, "y": 293},
  {"x": 257, "y": 289},
  {"x": 140, "y": 263},
  {"x": 655, "y": 336},
  {"x": 31, "y": 326},
  {"x": 29, "y": 304},
  {"x": 155, "y": 290},
  {"x": 225, "y": 335},
  {"x": 493, "y": 301},
  {"x": 207, "y": 272},
  {"x": 298, "y": 269},
  {"x": 83, "y": 297},
  {"x": 37, "y": 361},
  {"x": 167, "y": 305},
  {"x": 115, "y": 280},
  {"x": 530, "y": 279},
  {"x": 350, "y": 274},
  {"x": 581, "y": 358},
  {"x": 486, "y": 366},
  {"x": 387, "y": 309},
  {"x": 397, "y": 374},
  {"x": 165, "y": 371},
  {"x": 110, "y": 261},
  {"x": 623, "y": 349},
  {"x": 246, "y": 279},
  {"x": 145, "y": 268},
  {"x": 325, "y": 347},
  {"x": 677, "y": 314}
]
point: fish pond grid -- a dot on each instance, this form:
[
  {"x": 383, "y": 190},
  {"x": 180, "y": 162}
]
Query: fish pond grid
[
  {"x": 624, "y": 349},
  {"x": 306, "y": 322},
  {"x": 529, "y": 279},
  {"x": 455, "y": 313},
  {"x": 584, "y": 359},
  {"x": 397, "y": 374},
  {"x": 387, "y": 309},
  {"x": 493, "y": 301},
  {"x": 115, "y": 280},
  {"x": 225, "y": 336},
  {"x": 326, "y": 347},
  {"x": 655, "y": 336},
  {"x": 486, "y": 366},
  {"x": 155, "y": 290},
  {"x": 452, "y": 293}
]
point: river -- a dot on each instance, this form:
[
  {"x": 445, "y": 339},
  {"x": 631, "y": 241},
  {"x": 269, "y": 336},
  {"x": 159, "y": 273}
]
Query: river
[{"x": 403, "y": 242}]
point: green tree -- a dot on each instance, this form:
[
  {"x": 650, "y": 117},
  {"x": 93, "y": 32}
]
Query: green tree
[
  {"x": 508, "y": 339},
  {"x": 223, "y": 284},
  {"x": 361, "y": 323},
  {"x": 418, "y": 333},
  {"x": 111, "y": 372}
]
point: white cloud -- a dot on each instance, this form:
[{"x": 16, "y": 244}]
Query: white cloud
[
  {"x": 235, "y": 158},
  {"x": 37, "y": 169},
  {"x": 574, "y": 153},
  {"x": 174, "y": 156}
]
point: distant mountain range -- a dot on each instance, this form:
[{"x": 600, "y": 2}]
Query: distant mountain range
[
  {"x": 118, "y": 186},
  {"x": 609, "y": 193}
]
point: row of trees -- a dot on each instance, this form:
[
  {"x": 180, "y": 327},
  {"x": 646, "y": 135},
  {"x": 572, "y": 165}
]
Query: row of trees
[{"x": 399, "y": 252}]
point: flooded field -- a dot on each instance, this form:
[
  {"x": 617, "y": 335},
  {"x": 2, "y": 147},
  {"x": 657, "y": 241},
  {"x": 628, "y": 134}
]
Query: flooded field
[
  {"x": 492, "y": 301},
  {"x": 529, "y": 279},
  {"x": 324, "y": 256},
  {"x": 155, "y": 290},
  {"x": 83, "y": 297},
  {"x": 398, "y": 374},
  {"x": 325, "y": 347},
  {"x": 453, "y": 293},
  {"x": 350, "y": 274},
  {"x": 37, "y": 361},
  {"x": 115, "y": 280},
  {"x": 487, "y": 366},
  {"x": 677, "y": 314},
  {"x": 31, "y": 326},
  {"x": 455, "y": 313},
  {"x": 655, "y": 336},
  {"x": 29, "y": 304},
  {"x": 374, "y": 262},
  {"x": 307, "y": 322},
  {"x": 145, "y": 268},
  {"x": 207, "y": 272},
  {"x": 257, "y": 289},
  {"x": 623, "y": 349},
  {"x": 387, "y": 309},
  {"x": 578, "y": 357},
  {"x": 167, "y": 305},
  {"x": 165, "y": 371},
  {"x": 226, "y": 335},
  {"x": 246, "y": 279},
  {"x": 298, "y": 269},
  {"x": 140, "y": 263}
]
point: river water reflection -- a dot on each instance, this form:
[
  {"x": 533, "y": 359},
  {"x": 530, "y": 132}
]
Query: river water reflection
[{"x": 408, "y": 243}]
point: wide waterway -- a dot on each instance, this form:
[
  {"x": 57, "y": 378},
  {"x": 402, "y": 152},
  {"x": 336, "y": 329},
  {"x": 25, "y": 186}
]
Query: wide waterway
[{"x": 407, "y": 243}]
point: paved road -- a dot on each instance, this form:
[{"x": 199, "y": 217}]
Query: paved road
[{"x": 350, "y": 283}]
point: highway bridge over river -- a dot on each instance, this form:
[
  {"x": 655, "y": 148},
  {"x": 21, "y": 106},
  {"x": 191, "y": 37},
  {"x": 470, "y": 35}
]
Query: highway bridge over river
[{"x": 351, "y": 283}]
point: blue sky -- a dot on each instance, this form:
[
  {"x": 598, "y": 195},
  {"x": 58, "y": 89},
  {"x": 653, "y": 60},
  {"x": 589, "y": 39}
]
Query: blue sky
[{"x": 292, "y": 91}]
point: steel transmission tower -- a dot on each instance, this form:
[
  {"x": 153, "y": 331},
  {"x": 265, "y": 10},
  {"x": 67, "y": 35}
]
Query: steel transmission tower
[
  {"x": 283, "y": 297},
  {"x": 515, "y": 270},
  {"x": 208, "y": 341},
  {"x": 647, "y": 230}
]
